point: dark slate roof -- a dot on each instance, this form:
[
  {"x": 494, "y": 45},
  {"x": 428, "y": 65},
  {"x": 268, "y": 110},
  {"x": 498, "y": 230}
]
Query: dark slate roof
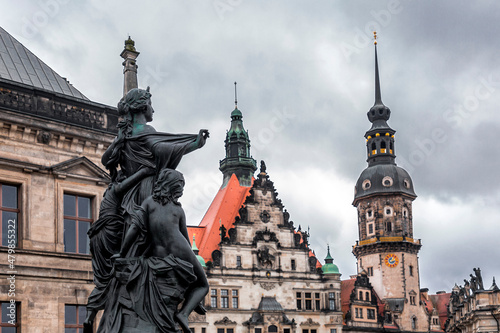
[
  {"x": 376, "y": 174},
  {"x": 269, "y": 304},
  {"x": 19, "y": 64},
  {"x": 396, "y": 304}
]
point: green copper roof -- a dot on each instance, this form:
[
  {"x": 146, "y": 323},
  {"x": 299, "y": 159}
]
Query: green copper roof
[
  {"x": 196, "y": 251},
  {"x": 329, "y": 267},
  {"x": 236, "y": 113}
]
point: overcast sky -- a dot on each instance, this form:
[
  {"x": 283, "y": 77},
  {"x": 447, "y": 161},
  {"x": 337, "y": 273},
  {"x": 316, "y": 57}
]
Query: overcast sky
[{"x": 305, "y": 73}]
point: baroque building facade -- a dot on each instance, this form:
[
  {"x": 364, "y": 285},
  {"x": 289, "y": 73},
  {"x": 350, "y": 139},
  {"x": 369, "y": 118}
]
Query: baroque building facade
[
  {"x": 262, "y": 273},
  {"x": 51, "y": 183},
  {"x": 473, "y": 308}
]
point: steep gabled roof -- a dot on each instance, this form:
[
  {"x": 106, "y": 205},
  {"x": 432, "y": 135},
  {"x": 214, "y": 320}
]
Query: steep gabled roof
[
  {"x": 20, "y": 65},
  {"x": 441, "y": 302},
  {"x": 346, "y": 288},
  {"x": 223, "y": 210}
]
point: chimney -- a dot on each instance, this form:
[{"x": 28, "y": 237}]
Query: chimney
[{"x": 129, "y": 54}]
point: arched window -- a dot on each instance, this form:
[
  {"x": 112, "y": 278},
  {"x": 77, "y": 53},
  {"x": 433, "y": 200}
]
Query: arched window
[
  {"x": 383, "y": 147},
  {"x": 374, "y": 148},
  {"x": 414, "y": 323},
  {"x": 272, "y": 329}
]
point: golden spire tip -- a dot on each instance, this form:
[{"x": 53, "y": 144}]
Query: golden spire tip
[{"x": 375, "y": 38}]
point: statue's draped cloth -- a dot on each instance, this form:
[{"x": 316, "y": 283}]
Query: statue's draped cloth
[
  {"x": 157, "y": 150},
  {"x": 138, "y": 288},
  {"x": 147, "y": 288}
]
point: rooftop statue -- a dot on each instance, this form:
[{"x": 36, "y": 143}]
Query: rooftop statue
[{"x": 141, "y": 282}]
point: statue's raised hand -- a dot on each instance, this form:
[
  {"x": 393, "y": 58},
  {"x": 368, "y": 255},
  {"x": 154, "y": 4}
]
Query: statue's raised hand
[{"x": 203, "y": 135}]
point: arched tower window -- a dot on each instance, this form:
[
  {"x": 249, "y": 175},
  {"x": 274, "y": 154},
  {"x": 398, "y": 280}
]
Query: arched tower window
[
  {"x": 383, "y": 147},
  {"x": 272, "y": 329},
  {"x": 413, "y": 323},
  {"x": 374, "y": 148}
]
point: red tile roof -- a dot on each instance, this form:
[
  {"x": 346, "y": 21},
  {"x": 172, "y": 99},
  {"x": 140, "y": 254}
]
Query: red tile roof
[
  {"x": 346, "y": 288},
  {"x": 223, "y": 209},
  {"x": 441, "y": 302}
]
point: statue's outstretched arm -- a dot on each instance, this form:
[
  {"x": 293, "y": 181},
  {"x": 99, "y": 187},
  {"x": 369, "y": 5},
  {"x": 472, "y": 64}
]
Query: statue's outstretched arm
[{"x": 203, "y": 135}]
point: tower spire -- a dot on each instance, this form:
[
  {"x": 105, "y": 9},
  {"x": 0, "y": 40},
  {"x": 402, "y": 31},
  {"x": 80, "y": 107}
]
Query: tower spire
[
  {"x": 378, "y": 95},
  {"x": 380, "y": 137},
  {"x": 235, "y": 96},
  {"x": 238, "y": 159}
]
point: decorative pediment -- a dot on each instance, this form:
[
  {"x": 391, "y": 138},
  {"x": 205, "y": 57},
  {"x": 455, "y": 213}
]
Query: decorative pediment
[
  {"x": 225, "y": 321},
  {"x": 309, "y": 322},
  {"x": 80, "y": 168},
  {"x": 265, "y": 235},
  {"x": 268, "y": 285}
]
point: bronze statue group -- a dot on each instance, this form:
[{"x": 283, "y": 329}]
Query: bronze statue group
[{"x": 142, "y": 260}]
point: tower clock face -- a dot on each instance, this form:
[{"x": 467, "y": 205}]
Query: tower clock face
[{"x": 391, "y": 260}]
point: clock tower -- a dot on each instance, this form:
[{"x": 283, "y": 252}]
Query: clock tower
[{"x": 386, "y": 249}]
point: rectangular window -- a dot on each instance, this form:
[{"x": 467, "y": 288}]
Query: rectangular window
[
  {"x": 331, "y": 301},
  {"x": 299, "y": 301},
  {"x": 9, "y": 214},
  {"x": 357, "y": 312},
  {"x": 317, "y": 302},
  {"x": 333, "y": 330},
  {"x": 308, "y": 301},
  {"x": 213, "y": 298},
  {"x": 203, "y": 330},
  {"x": 412, "y": 300},
  {"x": 286, "y": 330},
  {"x": 370, "y": 313},
  {"x": 229, "y": 330},
  {"x": 360, "y": 295},
  {"x": 293, "y": 264},
  {"x": 360, "y": 312},
  {"x": 370, "y": 271},
  {"x": 224, "y": 299},
  {"x": 238, "y": 261},
  {"x": 74, "y": 316},
  {"x": 411, "y": 270},
  {"x": 371, "y": 229},
  {"x": 234, "y": 298},
  {"x": 367, "y": 296},
  {"x": 77, "y": 220},
  {"x": 10, "y": 317},
  {"x": 313, "y": 331},
  {"x": 192, "y": 330},
  {"x": 258, "y": 330}
]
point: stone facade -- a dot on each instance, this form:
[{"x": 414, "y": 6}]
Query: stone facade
[
  {"x": 50, "y": 149},
  {"x": 473, "y": 308},
  {"x": 263, "y": 277},
  {"x": 45, "y": 159}
]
